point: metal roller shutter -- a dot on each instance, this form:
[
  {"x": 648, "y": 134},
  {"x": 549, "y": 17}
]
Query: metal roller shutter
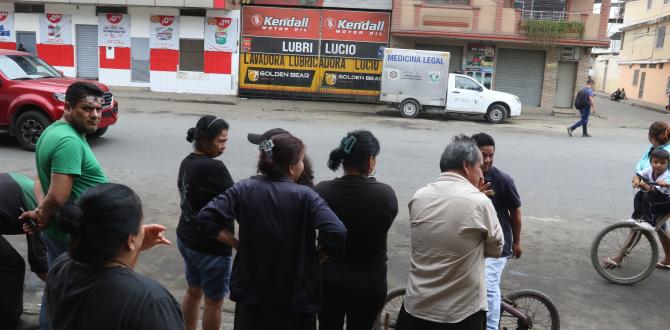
[
  {"x": 521, "y": 72},
  {"x": 87, "y": 51},
  {"x": 455, "y": 54}
]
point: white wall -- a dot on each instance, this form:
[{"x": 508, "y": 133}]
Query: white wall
[
  {"x": 139, "y": 19},
  {"x": 191, "y": 27}
]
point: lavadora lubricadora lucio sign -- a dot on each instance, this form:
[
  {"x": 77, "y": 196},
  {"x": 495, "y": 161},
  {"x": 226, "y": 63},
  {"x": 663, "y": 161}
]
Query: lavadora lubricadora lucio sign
[{"x": 312, "y": 52}]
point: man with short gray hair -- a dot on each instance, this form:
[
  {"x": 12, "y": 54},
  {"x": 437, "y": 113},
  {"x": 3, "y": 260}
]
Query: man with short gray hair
[{"x": 453, "y": 228}]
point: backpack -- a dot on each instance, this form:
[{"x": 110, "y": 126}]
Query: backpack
[{"x": 581, "y": 99}]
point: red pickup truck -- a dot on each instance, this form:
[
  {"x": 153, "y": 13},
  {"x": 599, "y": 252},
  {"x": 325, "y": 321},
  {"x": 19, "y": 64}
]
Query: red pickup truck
[{"x": 32, "y": 96}]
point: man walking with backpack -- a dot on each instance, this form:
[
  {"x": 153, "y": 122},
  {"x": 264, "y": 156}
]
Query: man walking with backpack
[{"x": 586, "y": 105}]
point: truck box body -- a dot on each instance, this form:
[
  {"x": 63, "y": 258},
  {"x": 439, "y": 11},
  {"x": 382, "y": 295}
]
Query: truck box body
[{"x": 420, "y": 73}]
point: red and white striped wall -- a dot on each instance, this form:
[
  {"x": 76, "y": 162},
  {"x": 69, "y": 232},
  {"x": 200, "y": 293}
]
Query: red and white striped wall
[{"x": 220, "y": 68}]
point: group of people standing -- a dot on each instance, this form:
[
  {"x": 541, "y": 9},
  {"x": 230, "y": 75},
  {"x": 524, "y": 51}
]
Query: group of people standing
[{"x": 303, "y": 251}]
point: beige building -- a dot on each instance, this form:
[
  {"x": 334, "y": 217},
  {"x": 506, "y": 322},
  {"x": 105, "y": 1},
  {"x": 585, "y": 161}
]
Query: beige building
[
  {"x": 509, "y": 45},
  {"x": 644, "y": 60}
]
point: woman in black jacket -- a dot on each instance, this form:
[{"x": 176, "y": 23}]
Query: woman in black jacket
[{"x": 355, "y": 284}]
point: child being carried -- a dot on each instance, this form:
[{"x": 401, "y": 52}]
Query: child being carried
[{"x": 655, "y": 201}]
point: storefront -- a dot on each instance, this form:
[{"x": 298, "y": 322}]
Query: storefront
[
  {"x": 307, "y": 51},
  {"x": 161, "y": 48}
]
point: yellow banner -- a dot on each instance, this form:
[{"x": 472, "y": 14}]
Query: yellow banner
[{"x": 310, "y": 74}]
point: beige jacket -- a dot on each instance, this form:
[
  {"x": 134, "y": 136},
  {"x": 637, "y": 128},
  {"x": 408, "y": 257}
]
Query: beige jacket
[{"x": 453, "y": 227}]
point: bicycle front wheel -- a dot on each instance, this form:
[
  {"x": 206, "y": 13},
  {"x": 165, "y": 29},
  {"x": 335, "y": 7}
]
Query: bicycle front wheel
[
  {"x": 388, "y": 316},
  {"x": 540, "y": 310},
  {"x": 624, "y": 254}
]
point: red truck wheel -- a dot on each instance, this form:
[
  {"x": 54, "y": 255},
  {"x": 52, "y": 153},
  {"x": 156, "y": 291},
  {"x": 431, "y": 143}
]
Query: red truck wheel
[{"x": 29, "y": 127}]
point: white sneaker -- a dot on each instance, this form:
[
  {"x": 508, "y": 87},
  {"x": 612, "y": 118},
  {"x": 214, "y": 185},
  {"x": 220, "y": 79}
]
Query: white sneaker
[{"x": 645, "y": 226}]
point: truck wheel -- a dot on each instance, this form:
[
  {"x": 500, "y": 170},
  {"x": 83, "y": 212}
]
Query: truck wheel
[
  {"x": 496, "y": 114},
  {"x": 98, "y": 133},
  {"x": 29, "y": 127},
  {"x": 409, "y": 108}
]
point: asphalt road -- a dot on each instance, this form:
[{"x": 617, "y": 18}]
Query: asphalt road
[{"x": 570, "y": 188}]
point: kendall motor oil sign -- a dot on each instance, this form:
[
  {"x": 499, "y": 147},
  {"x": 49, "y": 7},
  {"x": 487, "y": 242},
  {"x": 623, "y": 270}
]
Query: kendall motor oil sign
[{"x": 312, "y": 53}]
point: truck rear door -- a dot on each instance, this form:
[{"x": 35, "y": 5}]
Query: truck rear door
[{"x": 464, "y": 95}]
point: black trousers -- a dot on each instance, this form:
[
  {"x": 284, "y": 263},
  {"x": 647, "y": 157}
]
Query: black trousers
[
  {"x": 355, "y": 291},
  {"x": 406, "y": 321},
  {"x": 12, "y": 270},
  {"x": 257, "y": 317},
  {"x": 649, "y": 206}
]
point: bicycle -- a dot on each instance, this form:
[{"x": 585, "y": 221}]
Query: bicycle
[
  {"x": 627, "y": 252},
  {"x": 520, "y": 310}
]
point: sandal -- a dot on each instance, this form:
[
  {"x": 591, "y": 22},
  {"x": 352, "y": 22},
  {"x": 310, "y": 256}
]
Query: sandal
[
  {"x": 609, "y": 263},
  {"x": 663, "y": 266}
]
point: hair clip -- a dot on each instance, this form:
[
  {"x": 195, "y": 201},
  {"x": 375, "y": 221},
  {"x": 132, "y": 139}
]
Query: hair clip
[
  {"x": 212, "y": 122},
  {"x": 347, "y": 143},
  {"x": 266, "y": 147}
]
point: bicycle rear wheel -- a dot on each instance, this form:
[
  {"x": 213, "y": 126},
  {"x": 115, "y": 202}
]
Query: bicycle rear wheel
[
  {"x": 540, "y": 309},
  {"x": 637, "y": 247},
  {"x": 388, "y": 316}
]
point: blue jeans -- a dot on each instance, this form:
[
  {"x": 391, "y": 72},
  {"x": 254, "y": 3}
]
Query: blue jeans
[
  {"x": 586, "y": 112},
  {"x": 494, "y": 269},
  {"x": 207, "y": 271},
  {"x": 54, "y": 249}
]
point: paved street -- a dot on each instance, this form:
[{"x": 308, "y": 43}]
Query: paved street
[{"x": 570, "y": 187}]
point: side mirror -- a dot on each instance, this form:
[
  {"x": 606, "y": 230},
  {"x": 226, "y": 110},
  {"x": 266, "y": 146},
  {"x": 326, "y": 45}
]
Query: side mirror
[
  {"x": 61, "y": 72},
  {"x": 480, "y": 89}
]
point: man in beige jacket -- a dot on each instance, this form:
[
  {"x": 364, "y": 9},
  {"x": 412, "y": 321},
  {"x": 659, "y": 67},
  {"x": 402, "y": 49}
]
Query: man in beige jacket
[{"x": 453, "y": 228}]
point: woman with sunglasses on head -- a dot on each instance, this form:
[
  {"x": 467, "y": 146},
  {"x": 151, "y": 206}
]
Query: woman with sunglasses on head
[
  {"x": 207, "y": 261},
  {"x": 275, "y": 281},
  {"x": 354, "y": 285},
  {"x": 94, "y": 286}
]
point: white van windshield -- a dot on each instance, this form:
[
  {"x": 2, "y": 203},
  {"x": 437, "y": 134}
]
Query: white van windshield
[{"x": 26, "y": 67}]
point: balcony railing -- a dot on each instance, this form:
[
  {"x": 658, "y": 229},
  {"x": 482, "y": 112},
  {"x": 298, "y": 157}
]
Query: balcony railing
[{"x": 544, "y": 15}]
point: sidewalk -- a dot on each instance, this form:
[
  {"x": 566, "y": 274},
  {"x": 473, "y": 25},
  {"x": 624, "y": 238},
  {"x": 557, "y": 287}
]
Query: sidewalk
[{"x": 146, "y": 94}]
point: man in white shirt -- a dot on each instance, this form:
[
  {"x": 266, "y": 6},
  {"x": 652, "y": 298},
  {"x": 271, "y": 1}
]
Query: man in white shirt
[{"x": 453, "y": 228}]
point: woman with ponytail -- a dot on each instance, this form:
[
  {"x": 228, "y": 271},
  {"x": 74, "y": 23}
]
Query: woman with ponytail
[
  {"x": 275, "y": 280},
  {"x": 207, "y": 261},
  {"x": 94, "y": 286},
  {"x": 354, "y": 285}
]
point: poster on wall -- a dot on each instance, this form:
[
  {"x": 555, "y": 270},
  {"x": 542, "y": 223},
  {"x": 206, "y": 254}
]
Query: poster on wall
[
  {"x": 56, "y": 29},
  {"x": 281, "y": 22},
  {"x": 481, "y": 56},
  {"x": 354, "y": 4},
  {"x": 114, "y": 30},
  {"x": 221, "y": 34},
  {"x": 6, "y": 26},
  {"x": 164, "y": 32}
]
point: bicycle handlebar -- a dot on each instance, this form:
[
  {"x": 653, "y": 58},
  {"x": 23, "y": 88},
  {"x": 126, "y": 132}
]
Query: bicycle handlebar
[{"x": 643, "y": 179}]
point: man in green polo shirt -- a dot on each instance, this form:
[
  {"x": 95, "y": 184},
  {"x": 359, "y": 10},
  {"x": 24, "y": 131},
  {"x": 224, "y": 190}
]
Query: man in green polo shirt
[{"x": 66, "y": 166}]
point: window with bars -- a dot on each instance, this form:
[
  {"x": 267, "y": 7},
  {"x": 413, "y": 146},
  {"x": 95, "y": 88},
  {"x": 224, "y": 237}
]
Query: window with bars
[
  {"x": 28, "y": 8},
  {"x": 660, "y": 37},
  {"x": 649, "y": 2},
  {"x": 636, "y": 77}
]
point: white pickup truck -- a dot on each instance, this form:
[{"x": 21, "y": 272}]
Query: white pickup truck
[{"x": 419, "y": 80}]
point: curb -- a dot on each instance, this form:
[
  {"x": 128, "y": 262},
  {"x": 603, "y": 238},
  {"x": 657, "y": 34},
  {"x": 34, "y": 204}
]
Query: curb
[
  {"x": 171, "y": 99},
  {"x": 634, "y": 104}
]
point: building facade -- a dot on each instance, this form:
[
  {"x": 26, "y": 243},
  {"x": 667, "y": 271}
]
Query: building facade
[
  {"x": 509, "y": 45},
  {"x": 605, "y": 67},
  {"x": 163, "y": 45},
  {"x": 644, "y": 60}
]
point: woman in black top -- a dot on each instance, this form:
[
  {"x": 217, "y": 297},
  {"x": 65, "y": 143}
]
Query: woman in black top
[
  {"x": 275, "y": 281},
  {"x": 94, "y": 286},
  {"x": 207, "y": 261},
  {"x": 355, "y": 284}
]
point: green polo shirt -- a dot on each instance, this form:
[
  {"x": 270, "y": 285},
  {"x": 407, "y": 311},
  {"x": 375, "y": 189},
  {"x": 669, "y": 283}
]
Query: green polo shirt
[
  {"x": 27, "y": 186},
  {"x": 61, "y": 149}
]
